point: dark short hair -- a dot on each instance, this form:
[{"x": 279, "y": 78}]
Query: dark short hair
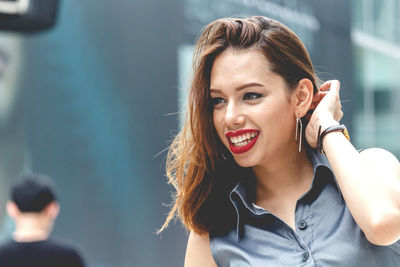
[{"x": 33, "y": 192}]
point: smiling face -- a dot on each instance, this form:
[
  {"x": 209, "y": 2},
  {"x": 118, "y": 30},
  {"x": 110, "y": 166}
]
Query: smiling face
[{"x": 254, "y": 114}]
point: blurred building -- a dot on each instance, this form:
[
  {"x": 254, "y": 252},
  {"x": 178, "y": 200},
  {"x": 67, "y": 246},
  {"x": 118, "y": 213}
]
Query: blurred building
[{"x": 375, "y": 36}]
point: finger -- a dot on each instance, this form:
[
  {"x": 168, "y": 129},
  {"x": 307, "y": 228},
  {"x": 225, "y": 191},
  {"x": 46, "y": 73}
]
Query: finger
[
  {"x": 318, "y": 96},
  {"x": 335, "y": 86},
  {"x": 339, "y": 116},
  {"x": 333, "y": 93},
  {"x": 317, "y": 99},
  {"x": 326, "y": 86}
]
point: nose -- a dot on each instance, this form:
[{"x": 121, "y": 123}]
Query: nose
[{"x": 234, "y": 117}]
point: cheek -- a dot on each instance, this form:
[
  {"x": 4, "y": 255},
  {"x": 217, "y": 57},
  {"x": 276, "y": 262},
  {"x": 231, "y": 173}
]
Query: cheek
[
  {"x": 218, "y": 124},
  {"x": 272, "y": 119}
]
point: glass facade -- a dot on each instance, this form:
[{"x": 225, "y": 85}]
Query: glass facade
[{"x": 376, "y": 43}]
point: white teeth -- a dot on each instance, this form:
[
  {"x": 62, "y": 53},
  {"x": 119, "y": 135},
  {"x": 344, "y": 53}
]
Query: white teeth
[
  {"x": 243, "y": 143},
  {"x": 243, "y": 139}
]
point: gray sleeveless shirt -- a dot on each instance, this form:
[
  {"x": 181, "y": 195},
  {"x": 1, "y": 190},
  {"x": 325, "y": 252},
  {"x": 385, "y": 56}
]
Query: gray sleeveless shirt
[{"x": 326, "y": 234}]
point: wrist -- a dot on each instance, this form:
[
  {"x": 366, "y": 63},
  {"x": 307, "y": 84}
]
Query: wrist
[
  {"x": 328, "y": 123},
  {"x": 330, "y": 129}
]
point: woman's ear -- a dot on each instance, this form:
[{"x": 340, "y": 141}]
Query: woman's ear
[{"x": 303, "y": 97}]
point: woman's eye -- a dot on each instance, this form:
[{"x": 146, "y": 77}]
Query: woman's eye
[
  {"x": 217, "y": 100},
  {"x": 250, "y": 96}
]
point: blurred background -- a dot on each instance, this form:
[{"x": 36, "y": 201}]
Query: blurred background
[{"x": 94, "y": 100}]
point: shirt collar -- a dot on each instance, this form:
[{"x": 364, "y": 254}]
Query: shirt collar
[
  {"x": 242, "y": 195},
  {"x": 322, "y": 169}
]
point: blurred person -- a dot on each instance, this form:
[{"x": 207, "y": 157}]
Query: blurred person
[
  {"x": 34, "y": 208},
  {"x": 265, "y": 174}
]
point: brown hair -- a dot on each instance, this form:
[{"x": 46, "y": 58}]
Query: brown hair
[{"x": 200, "y": 168}]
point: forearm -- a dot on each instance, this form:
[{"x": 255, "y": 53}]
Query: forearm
[{"x": 373, "y": 201}]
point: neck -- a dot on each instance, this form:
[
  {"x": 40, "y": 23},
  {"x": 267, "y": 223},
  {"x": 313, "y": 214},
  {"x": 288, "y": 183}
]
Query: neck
[
  {"x": 31, "y": 228},
  {"x": 288, "y": 174}
]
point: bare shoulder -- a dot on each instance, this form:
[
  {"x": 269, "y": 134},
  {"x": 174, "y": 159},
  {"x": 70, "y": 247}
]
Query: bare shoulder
[
  {"x": 380, "y": 155},
  {"x": 382, "y": 160},
  {"x": 198, "y": 252}
]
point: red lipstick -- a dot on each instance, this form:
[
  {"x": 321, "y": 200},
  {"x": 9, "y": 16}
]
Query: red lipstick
[{"x": 249, "y": 142}]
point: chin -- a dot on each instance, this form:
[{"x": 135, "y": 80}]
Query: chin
[{"x": 245, "y": 163}]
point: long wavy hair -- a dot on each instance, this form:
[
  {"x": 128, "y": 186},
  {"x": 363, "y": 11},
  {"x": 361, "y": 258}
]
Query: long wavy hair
[{"x": 200, "y": 168}]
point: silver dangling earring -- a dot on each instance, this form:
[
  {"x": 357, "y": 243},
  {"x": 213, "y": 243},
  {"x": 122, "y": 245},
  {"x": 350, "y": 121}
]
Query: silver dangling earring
[{"x": 298, "y": 122}]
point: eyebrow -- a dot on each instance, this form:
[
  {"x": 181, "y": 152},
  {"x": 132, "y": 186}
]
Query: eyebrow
[{"x": 241, "y": 87}]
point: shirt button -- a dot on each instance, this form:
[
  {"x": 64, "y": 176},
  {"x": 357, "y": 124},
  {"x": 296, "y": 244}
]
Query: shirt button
[
  {"x": 303, "y": 225},
  {"x": 305, "y": 256}
]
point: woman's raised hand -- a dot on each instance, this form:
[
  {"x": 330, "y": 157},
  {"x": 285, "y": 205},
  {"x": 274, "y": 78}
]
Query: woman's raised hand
[{"x": 327, "y": 110}]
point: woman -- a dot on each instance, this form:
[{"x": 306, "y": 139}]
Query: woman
[{"x": 260, "y": 182}]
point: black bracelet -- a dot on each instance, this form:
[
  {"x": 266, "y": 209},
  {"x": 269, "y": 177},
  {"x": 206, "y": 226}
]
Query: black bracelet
[{"x": 334, "y": 128}]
